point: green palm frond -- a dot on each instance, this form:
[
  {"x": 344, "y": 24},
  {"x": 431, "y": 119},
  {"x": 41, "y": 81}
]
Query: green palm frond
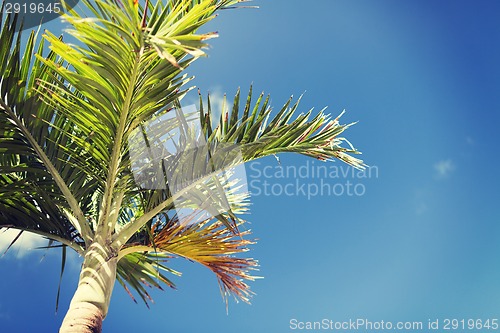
[
  {"x": 32, "y": 191},
  {"x": 255, "y": 136},
  {"x": 142, "y": 270},
  {"x": 258, "y": 135}
]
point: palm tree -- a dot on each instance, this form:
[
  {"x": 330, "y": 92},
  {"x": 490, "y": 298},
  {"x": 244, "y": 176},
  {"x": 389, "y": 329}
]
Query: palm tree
[{"x": 67, "y": 116}]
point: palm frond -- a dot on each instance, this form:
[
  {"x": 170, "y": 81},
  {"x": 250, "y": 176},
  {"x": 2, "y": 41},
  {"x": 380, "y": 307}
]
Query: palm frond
[
  {"x": 34, "y": 195},
  {"x": 258, "y": 135},
  {"x": 252, "y": 133},
  {"x": 139, "y": 270},
  {"x": 212, "y": 245}
]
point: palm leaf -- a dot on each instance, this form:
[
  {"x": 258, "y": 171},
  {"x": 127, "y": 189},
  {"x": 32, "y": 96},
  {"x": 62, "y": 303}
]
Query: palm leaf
[
  {"x": 34, "y": 196},
  {"x": 257, "y": 135},
  {"x": 141, "y": 270},
  {"x": 208, "y": 242},
  {"x": 214, "y": 246}
]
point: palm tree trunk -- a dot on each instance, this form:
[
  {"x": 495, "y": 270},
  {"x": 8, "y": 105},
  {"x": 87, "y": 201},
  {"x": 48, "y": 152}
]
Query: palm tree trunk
[{"x": 90, "y": 302}]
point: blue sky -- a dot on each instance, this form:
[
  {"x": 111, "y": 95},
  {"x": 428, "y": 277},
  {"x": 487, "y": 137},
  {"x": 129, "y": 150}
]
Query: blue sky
[{"x": 422, "y": 241}]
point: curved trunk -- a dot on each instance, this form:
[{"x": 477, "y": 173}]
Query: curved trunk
[{"x": 89, "y": 305}]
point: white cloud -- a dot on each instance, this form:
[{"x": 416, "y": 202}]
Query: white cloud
[
  {"x": 23, "y": 246},
  {"x": 444, "y": 168}
]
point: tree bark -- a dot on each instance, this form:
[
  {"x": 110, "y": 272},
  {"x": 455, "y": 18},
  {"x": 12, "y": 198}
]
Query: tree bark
[{"x": 90, "y": 303}]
